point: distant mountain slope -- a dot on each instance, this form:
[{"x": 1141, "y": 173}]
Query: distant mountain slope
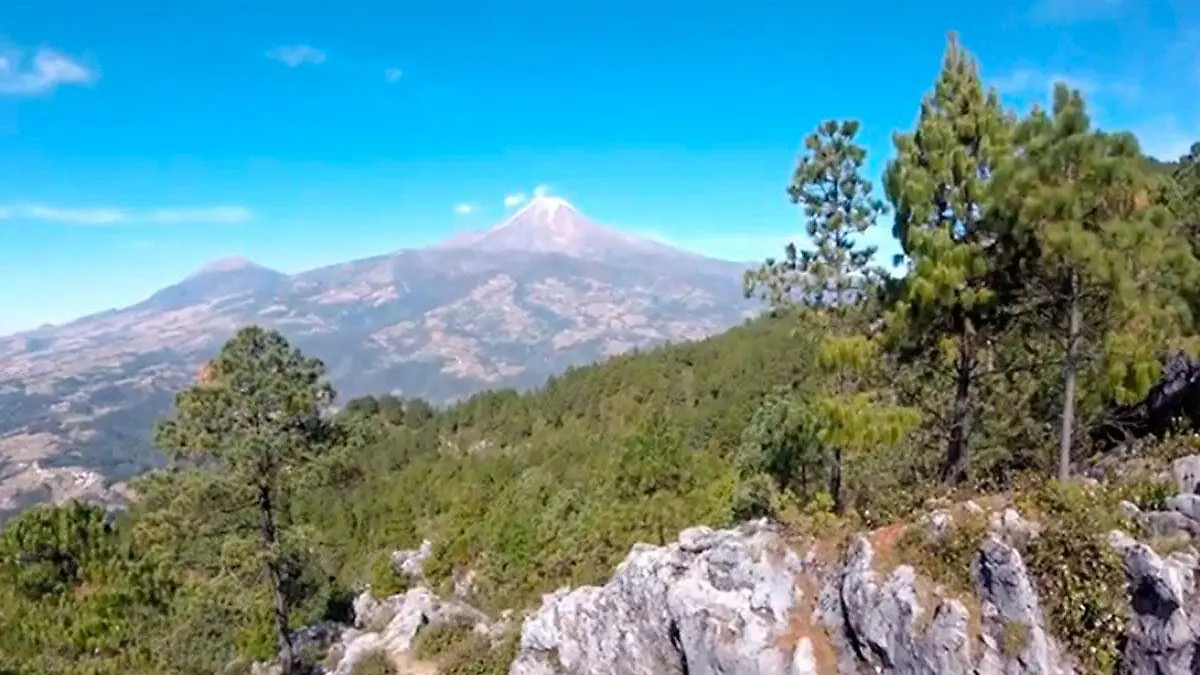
[{"x": 509, "y": 306}]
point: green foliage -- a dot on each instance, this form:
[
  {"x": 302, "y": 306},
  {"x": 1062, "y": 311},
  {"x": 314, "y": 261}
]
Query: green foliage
[
  {"x": 780, "y": 451},
  {"x": 838, "y": 206},
  {"x": 949, "y": 557},
  {"x": 460, "y": 650},
  {"x": 1146, "y": 494},
  {"x": 600, "y": 458},
  {"x": 48, "y": 551},
  {"x": 1103, "y": 272},
  {"x": 940, "y": 185},
  {"x": 855, "y": 395},
  {"x": 1080, "y": 578},
  {"x": 434, "y": 641},
  {"x": 251, "y": 430},
  {"x": 384, "y": 579},
  {"x": 374, "y": 663},
  {"x": 836, "y": 278}
]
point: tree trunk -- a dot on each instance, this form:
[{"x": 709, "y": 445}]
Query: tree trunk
[
  {"x": 270, "y": 539},
  {"x": 835, "y": 482},
  {"x": 1069, "y": 371},
  {"x": 957, "y": 449}
]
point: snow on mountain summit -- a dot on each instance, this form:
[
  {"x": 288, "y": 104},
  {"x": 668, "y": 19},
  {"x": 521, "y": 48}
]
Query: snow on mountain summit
[
  {"x": 553, "y": 225},
  {"x": 542, "y": 208}
]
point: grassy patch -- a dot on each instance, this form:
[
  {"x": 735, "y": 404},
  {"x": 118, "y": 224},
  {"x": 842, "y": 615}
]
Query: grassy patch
[
  {"x": 460, "y": 650},
  {"x": 1079, "y": 577},
  {"x": 1014, "y": 638},
  {"x": 947, "y": 559},
  {"x": 375, "y": 663}
]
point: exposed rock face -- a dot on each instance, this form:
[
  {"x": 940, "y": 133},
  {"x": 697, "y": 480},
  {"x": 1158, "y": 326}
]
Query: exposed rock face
[
  {"x": 389, "y": 625},
  {"x": 392, "y": 624},
  {"x": 716, "y": 602},
  {"x": 1164, "y": 635},
  {"x": 742, "y": 601},
  {"x": 1010, "y": 604},
  {"x": 876, "y": 624}
]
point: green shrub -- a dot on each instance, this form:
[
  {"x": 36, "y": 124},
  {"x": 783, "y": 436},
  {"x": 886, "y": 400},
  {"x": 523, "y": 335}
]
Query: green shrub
[
  {"x": 1081, "y": 581},
  {"x": 947, "y": 559},
  {"x": 459, "y": 650},
  {"x": 437, "y": 640},
  {"x": 384, "y": 579},
  {"x": 477, "y": 656},
  {"x": 1079, "y": 577},
  {"x": 375, "y": 663},
  {"x": 1146, "y": 494}
]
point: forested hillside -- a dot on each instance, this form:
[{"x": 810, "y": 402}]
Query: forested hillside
[{"x": 1051, "y": 271}]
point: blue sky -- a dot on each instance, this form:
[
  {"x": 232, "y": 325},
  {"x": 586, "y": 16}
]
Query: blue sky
[{"x": 139, "y": 140}]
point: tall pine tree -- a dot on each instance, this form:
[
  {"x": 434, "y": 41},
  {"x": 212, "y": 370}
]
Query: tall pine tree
[
  {"x": 254, "y": 427},
  {"x": 1109, "y": 267},
  {"x": 835, "y": 277},
  {"x": 940, "y": 184},
  {"x": 836, "y": 270}
]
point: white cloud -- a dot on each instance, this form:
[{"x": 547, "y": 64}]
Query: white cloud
[
  {"x": 215, "y": 214},
  {"x": 219, "y": 215},
  {"x": 542, "y": 190},
  {"x": 463, "y": 209},
  {"x": 393, "y": 75},
  {"x": 1032, "y": 82},
  {"x": 514, "y": 199},
  {"x": 297, "y": 55},
  {"x": 77, "y": 216},
  {"x": 48, "y": 70}
]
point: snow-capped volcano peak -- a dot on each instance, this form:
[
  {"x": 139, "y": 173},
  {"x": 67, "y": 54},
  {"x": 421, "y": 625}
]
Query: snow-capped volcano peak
[
  {"x": 553, "y": 225},
  {"x": 541, "y": 207}
]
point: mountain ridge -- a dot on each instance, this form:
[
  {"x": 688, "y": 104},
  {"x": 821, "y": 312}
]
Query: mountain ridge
[{"x": 508, "y": 306}]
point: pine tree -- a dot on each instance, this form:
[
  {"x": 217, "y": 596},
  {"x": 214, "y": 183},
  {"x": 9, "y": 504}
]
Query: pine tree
[
  {"x": 1186, "y": 178},
  {"x": 837, "y": 269},
  {"x": 940, "y": 184},
  {"x": 835, "y": 278},
  {"x": 252, "y": 426},
  {"x": 1108, "y": 270}
]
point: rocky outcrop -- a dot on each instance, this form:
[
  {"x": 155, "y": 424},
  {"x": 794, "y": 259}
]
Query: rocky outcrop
[
  {"x": 720, "y": 602},
  {"x": 1164, "y": 632},
  {"x": 391, "y": 625},
  {"x": 744, "y": 601},
  {"x": 715, "y": 602}
]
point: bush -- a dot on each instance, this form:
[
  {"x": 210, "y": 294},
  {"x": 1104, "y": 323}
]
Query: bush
[
  {"x": 477, "y": 656},
  {"x": 1078, "y": 575},
  {"x": 947, "y": 559},
  {"x": 384, "y": 579},
  {"x": 1146, "y": 494},
  {"x": 375, "y": 663},
  {"x": 437, "y": 640},
  {"x": 1082, "y": 584},
  {"x": 459, "y": 650}
]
